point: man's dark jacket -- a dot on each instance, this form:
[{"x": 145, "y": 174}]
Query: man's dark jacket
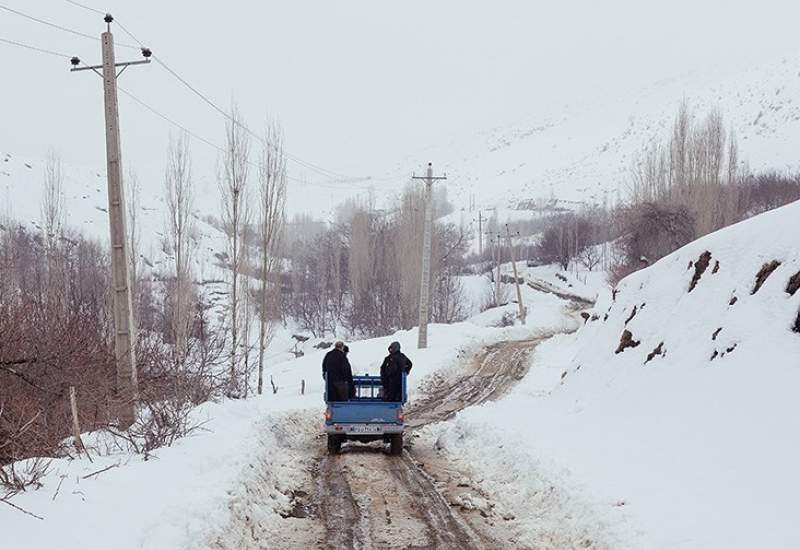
[
  {"x": 392, "y": 369},
  {"x": 340, "y": 375}
]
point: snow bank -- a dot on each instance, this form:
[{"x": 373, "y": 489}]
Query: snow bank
[{"x": 693, "y": 448}]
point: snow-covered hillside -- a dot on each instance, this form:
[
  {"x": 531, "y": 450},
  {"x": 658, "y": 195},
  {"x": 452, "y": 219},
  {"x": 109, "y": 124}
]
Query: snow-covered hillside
[
  {"x": 673, "y": 411},
  {"x": 583, "y": 153},
  {"x": 86, "y": 207}
]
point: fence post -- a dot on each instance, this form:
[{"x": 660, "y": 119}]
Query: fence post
[{"x": 76, "y": 427}]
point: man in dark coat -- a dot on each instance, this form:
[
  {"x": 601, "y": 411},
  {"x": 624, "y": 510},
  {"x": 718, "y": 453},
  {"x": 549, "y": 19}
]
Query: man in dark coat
[
  {"x": 392, "y": 369},
  {"x": 339, "y": 374}
]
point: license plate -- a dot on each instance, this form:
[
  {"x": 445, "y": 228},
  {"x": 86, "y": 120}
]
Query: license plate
[{"x": 365, "y": 429}]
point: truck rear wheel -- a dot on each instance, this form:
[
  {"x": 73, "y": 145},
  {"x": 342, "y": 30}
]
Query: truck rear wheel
[
  {"x": 396, "y": 445},
  {"x": 334, "y": 444}
]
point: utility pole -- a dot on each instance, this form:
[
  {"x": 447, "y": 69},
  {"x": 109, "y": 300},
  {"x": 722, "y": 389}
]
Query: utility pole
[
  {"x": 516, "y": 277},
  {"x": 425, "y": 284},
  {"x": 496, "y": 256},
  {"x": 124, "y": 328}
]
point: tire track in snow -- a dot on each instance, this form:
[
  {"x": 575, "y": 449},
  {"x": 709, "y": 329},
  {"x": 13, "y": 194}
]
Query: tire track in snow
[
  {"x": 338, "y": 508},
  {"x": 361, "y": 506},
  {"x": 369, "y": 499}
]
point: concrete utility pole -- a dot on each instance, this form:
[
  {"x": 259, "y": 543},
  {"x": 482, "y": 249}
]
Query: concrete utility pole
[
  {"x": 516, "y": 277},
  {"x": 425, "y": 283},
  {"x": 124, "y": 328}
]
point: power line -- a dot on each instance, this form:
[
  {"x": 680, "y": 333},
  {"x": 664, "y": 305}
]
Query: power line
[
  {"x": 120, "y": 25},
  {"x": 156, "y": 112},
  {"x": 57, "y": 26},
  {"x": 129, "y": 33},
  {"x": 233, "y": 120},
  {"x": 171, "y": 121},
  {"x": 34, "y": 48},
  {"x": 305, "y": 164},
  {"x": 85, "y": 7},
  {"x": 209, "y": 142}
]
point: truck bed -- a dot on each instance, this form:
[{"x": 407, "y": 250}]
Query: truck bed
[{"x": 365, "y": 414}]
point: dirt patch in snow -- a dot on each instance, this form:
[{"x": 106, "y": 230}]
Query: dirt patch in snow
[
  {"x": 626, "y": 341},
  {"x": 659, "y": 350},
  {"x": 700, "y": 267},
  {"x": 764, "y": 273},
  {"x": 632, "y": 315},
  {"x": 794, "y": 284}
]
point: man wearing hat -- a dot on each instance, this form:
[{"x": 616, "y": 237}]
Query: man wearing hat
[
  {"x": 339, "y": 374},
  {"x": 392, "y": 369}
]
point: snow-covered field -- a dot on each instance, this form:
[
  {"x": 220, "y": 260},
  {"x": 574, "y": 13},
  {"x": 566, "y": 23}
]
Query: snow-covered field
[{"x": 694, "y": 448}]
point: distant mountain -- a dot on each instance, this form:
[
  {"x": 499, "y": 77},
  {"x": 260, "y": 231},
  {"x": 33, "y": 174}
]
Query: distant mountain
[{"x": 584, "y": 152}]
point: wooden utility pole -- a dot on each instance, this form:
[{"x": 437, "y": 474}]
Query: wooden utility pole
[
  {"x": 124, "y": 328},
  {"x": 516, "y": 277},
  {"x": 425, "y": 283}
]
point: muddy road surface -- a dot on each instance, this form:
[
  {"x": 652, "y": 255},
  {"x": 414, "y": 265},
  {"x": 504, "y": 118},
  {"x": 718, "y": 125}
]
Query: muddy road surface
[{"x": 368, "y": 499}]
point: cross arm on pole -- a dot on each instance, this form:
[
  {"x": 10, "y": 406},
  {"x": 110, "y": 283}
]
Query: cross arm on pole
[{"x": 124, "y": 65}]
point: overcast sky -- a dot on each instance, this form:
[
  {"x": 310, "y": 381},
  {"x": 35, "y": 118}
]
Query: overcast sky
[{"x": 357, "y": 85}]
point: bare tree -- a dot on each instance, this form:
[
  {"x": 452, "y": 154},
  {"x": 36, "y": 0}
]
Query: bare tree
[
  {"x": 53, "y": 201},
  {"x": 245, "y": 294},
  {"x": 272, "y": 191},
  {"x": 590, "y": 257},
  {"x": 179, "y": 239},
  {"x": 411, "y": 220},
  {"x": 52, "y": 208},
  {"x": 697, "y": 171},
  {"x": 233, "y": 187}
]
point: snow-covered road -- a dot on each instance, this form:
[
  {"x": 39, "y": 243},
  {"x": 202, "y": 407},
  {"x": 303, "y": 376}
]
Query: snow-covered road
[
  {"x": 365, "y": 498},
  {"x": 369, "y": 499}
]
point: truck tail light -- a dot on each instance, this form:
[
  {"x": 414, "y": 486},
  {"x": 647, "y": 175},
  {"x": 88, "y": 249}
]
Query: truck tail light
[
  {"x": 328, "y": 413},
  {"x": 401, "y": 416}
]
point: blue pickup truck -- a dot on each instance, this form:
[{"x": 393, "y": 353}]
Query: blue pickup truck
[{"x": 366, "y": 416}]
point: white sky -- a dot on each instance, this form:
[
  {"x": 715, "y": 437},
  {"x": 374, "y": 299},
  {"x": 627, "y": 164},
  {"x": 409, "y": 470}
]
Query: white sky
[{"x": 357, "y": 85}]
